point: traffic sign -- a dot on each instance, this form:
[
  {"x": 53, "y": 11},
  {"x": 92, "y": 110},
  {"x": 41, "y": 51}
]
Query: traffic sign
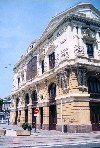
[{"x": 36, "y": 111}]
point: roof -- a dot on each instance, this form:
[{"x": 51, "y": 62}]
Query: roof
[{"x": 56, "y": 20}]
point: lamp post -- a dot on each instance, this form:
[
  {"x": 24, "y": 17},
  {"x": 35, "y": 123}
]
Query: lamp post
[{"x": 61, "y": 117}]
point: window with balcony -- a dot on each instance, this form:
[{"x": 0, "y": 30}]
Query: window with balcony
[
  {"x": 31, "y": 68},
  {"x": 34, "y": 97},
  {"x": 90, "y": 50},
  {"x": 27, "y": 99},
  {"x": 52, "y": 90},
  {"x": 42, "y": 66},
  {"x": 52, "y": 60}
]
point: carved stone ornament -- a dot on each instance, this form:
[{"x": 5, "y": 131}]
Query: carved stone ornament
[
  {"x": 41, "y": 54},
  {"x": 29, "y": 92},
  {"x": 65, "y": 79},
  {"x": 99, "y": 54},
  {"x": 12, "y": 104},
  {"x": 51, "y": 48},
  {"x": 79, "y": 51},
  {"x": 23, "y": 93},
  {"x": 88, "y": 34},
  {"x": 81, "y": 75},
  {"x": 45, "y": 82},
  {"x": 62, "y": 79},
  {"x": 64, "y": 54}
]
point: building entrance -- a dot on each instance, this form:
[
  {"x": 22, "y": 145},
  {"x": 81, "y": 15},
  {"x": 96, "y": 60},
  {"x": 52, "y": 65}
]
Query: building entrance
[
  {"x": 52, "y": 117},
  {"x": 16, "y": 117},
  {"x": 26, "y": 115},
  {"x": 95, "y": 115},
  {"x": 41, "y": 117}
]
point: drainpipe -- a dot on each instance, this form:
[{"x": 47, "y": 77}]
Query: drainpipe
[{"x": 61, "y": 117}]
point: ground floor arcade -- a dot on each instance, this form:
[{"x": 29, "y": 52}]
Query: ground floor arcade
[{"x": 68, "y": 101}]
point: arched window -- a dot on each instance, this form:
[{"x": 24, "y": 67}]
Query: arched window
[
  {"x": 17, "y": 102},
  {"x": 34, "y": 96},
  {"x": 27, "y": 99},
  {"x": 52, "y": 90},
  {"x": 93, "y": 85}
]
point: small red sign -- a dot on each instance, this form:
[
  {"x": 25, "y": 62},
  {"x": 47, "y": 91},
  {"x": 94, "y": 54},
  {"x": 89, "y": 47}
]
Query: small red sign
[{"x": 36, "y": 111}]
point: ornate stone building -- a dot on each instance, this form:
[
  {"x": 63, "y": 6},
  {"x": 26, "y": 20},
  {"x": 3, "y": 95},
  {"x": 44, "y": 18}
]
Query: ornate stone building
[{"x": 60, "y": 74}]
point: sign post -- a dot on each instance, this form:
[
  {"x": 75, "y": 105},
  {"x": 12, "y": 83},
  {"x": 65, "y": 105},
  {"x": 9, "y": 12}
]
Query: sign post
[{"x": 36, "y": 111}]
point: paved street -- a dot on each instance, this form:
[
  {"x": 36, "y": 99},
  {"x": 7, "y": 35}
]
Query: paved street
[{"x": 43, "y": 138}]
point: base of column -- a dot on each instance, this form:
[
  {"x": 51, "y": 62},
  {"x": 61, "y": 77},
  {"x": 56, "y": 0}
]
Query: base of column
[
  {"x": 45, "y": 126},
  {"x": 38, "y": 126},
  {"x": 75, "y": 128}
]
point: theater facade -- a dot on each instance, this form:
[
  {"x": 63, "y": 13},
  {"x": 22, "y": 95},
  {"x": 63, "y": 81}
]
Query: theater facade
[{"x": 60, "y": 74}]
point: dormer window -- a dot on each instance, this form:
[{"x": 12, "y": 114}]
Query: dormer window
[
  {"x": 52, "y": 60},
  {"x": 90, "y": 50}
]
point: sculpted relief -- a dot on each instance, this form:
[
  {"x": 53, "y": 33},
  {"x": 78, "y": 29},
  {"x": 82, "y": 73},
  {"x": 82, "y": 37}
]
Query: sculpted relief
[
  {"x": 64, "y": 54},
  {"x": 78, "y": 50},
  {"x": 63, "y": 80}
]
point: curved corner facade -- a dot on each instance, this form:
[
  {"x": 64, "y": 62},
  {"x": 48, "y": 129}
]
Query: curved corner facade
[{"x": 60, "y": 74}]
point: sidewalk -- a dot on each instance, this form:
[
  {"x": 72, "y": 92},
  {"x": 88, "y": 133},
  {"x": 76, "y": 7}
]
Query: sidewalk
[{"x": 45, "y": 138}]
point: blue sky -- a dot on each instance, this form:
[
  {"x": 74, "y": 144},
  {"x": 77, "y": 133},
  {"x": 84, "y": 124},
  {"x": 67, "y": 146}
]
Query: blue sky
[{"x": 22, "y": 21}]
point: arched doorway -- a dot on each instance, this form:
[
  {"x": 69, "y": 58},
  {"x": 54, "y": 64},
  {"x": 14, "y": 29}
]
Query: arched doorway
[
  {"x": 52, "y": 107},
  {"x": 34, "y": 102},
  {"x": 26, "y": 109},
  {"x": 94, "y": 91}
]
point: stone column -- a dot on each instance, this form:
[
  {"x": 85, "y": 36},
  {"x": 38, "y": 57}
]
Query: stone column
[
  {"x": 18, "y": 119},
  {"x": 29, "y": 108},
  {"x": 46, "y": 63},
  {"x": 30, "y": 116},
  {"x": 12, "y": 116},
  {"x": 46, "y": 117},
  {"x": 73, "y": 83},
  {"x": 22, "y": 117},
  {"x": 13, "y": 110},
  {"x": 81, "y": 76},
  {"x": 38, "y": 120}
]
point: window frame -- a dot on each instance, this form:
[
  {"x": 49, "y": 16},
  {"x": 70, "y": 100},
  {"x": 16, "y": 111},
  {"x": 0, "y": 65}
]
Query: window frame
[{"x": 52, "y": 60}]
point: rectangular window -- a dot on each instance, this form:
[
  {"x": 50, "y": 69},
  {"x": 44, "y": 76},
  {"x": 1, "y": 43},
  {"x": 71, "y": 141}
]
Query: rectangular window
[
  {"x": 22, "y": 77},
  {"x": 52, "y": 60},
  {"x": 18, "y": 81},
  {"x": 31, "y": 68},
  {"x": 90, "y": 51},
  {"x": 42, "y": 66}
]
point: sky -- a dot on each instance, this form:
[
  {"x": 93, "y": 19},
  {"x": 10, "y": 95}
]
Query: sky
[{"x": 21, "y": 22}]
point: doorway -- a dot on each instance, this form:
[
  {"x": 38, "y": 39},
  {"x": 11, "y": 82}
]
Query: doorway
[
  {"x": 41, "y": 117},
  {"x": 52, "y": 117},
  {"x": 26, "y": 115},
  {"x": 95, "y": 115},
  {"x": 16, "y": 117}
]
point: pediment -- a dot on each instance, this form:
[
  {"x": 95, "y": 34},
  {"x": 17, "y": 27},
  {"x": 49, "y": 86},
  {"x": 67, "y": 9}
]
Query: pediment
[
  {"x": 89, "y": 11},
  {"x": 82, "y": 9}
]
